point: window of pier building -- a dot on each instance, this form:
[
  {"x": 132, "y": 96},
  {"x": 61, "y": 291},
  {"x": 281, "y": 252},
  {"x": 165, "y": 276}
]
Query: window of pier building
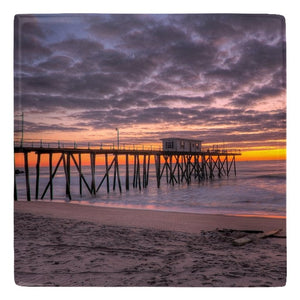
[{"x": 169, "y": 144}]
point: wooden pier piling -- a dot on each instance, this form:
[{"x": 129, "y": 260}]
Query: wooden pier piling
[
  {"x": 118, "y": 172},
  {"x": 50, "y": 176},
  {"x": 80, "y": 176},
  {"x": 15, "y": 183},
  {"x": 93, "y": 170},
  {"x": 127, "y": 172},
  {"x": 67, "y": 169},
  {"x": 27, "y": 176},
  {"x": 107, "y": 174},
  {"x": 37, "y": 182},
  {"x": 157, "y": 167},
  {"x": 234, "y": 166}
]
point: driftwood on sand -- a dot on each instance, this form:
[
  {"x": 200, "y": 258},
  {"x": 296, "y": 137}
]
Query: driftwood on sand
[{"x": 248, "y": 239}]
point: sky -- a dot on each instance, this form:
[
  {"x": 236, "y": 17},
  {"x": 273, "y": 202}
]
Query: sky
[{"x": 219, "y": 78}]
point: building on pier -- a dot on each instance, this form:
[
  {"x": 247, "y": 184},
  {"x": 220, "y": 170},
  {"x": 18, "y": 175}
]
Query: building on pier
[{"x": 181, "y": 145}]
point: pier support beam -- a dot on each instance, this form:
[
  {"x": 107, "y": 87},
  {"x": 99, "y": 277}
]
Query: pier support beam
[
  {"x": 234, "y": 165},
  {"x": 93, "y": 168},
  {"x": 37, "y": 183},
  {"x": 148, "y": 168},
  {"x": 107, "y": 172},
  {"x": 157, "y": 168},
  {"x": 67, "y": 174},
  {"x": 50, "y": 176},
  {"x": 127, "y": 173},
  {"x": 80, "y": 174},
  {"x": 15, "y": 183},
  {"x": 227, "y": 170},
  {"x": 118, "y": 172},
  {"x": 106, "y": 176},
  {"x": 27, "y": 176},
  {"x": 144, "y": 172},
  {"x": 146, "y": 164},
  {"x": 136, "y": 173}
]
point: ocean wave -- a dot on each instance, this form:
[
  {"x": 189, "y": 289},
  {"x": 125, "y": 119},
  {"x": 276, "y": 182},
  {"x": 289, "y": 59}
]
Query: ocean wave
[{"x": 271, "y": 176}]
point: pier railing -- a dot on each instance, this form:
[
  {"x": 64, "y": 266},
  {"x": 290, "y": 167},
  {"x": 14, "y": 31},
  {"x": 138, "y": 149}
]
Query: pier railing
[{"x": 60, "y": 144}]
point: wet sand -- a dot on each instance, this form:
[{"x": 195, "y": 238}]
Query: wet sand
[{"x": 63, "y": 244}]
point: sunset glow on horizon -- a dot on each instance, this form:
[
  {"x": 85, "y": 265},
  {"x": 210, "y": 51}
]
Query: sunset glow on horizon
[
  {"x": 278, "y": 154},
  {"x": 217, "y": 78}
]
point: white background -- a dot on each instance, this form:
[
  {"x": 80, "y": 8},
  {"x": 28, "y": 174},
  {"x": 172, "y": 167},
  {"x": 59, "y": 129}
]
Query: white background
[{"x": 289, "y": 9}]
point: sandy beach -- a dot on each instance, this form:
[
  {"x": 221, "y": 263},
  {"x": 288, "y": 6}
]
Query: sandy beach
[{"x": 64, "y": 244}]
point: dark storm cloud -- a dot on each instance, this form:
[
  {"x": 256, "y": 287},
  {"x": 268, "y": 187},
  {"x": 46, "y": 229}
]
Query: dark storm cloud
[
  {"x": 78, "y": 48},
  {"x": 256, "y": 96},
  {"x": 56, "y": 63},
  {"x": 44, "y": 103},
  {"x": 152, "y": 36},
  {"x": 39, "y": 127},
  {"x": 162, "y": 100},
  {"x": 70, "y": 85},
  {"x": 232, "y": 120},
  {"x": 28, "y": 40},
  {"x": 237, "y": 27},
  {"x": 132, "y": 68},
  {"x": 191, "y": 54},
  {"x": 144, "y": 69},
  {"x": 256, "y": 60},
  {"x": 177, "y": 75},
  {"x": 115, "y": 26},
  {"x": 262, "y": 56}
]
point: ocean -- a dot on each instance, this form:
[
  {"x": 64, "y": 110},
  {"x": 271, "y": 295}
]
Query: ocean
[{"x": 258, "y": 189}]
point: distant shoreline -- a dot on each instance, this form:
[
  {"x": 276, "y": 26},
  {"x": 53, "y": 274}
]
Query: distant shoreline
[
  {"x": 142, "y": 218},
  {"x": 156, "y": 208}
]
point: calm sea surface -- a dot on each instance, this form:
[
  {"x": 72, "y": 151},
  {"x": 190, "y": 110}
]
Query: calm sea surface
[{"x": 258, "y": 189}]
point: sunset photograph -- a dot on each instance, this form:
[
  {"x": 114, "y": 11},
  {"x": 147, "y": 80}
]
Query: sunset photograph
[{"x": 150, "y": 150}]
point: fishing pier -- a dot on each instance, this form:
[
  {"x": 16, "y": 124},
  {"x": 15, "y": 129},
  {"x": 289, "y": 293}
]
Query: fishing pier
[{"x": 172, "y": 166}]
